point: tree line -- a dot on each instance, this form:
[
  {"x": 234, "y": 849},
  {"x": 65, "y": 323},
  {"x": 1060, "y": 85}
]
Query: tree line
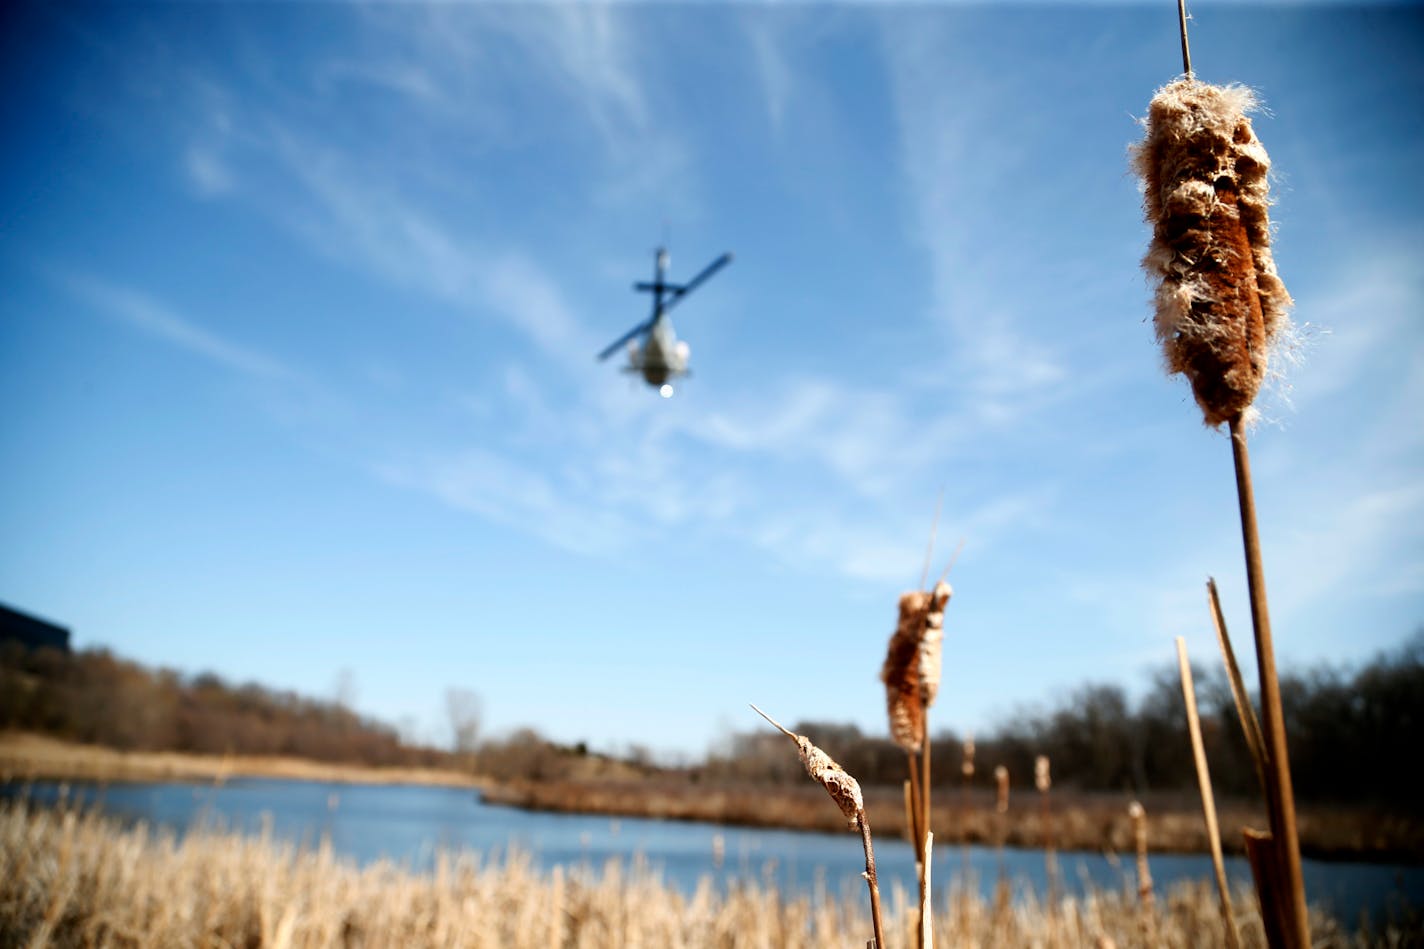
[
  {"x": 98, "y": 698},
  {"x": 1352, "y": 731},
  {"x": 1352, "y": 734}
]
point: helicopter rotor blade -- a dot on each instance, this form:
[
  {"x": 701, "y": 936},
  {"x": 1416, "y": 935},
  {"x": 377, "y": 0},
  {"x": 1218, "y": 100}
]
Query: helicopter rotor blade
[
  {"x": 617, "y": 344},
  {"x": 692, "y": 284}
]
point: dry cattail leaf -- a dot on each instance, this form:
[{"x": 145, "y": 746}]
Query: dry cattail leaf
[
  {"x": 1041, "y": 778},
  {"x": 913, "y": 660},
  {"x": 842, "y": 788},
  {"x": 1219, "y": 302}
]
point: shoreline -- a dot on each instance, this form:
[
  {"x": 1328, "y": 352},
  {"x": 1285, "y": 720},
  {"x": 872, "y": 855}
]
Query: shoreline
[
  {"x": 1080, "y": 821},
  {"x": 1094, "y": 822},
  {"x": 26, "y": 756}
]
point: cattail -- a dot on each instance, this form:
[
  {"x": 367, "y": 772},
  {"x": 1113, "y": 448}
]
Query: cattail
[
  {"x": 1219, "y": 302},
  {"x": 911, "y": 672},
  {"x": 845, "y": 791},
  {"x": 1144, "y": 873},
  {"x": 1041, "y": 778},
  {"x": 967, "y": 768},
  {"x": 1138, "y": 815},
  {"x": 842, "y": 788},
  {"x": 1001, "y": 779}
]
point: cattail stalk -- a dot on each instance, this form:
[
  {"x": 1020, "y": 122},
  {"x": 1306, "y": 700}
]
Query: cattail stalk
[
  {"x": 1280, "y": 797},
  {"x": 1001, "y": 814},
  {"x": 926, "y": 902},
  {"x": 966, "y": 770},
  {"x": 845, "y": 791},
  {"x": 1213, "y": 831},
  {"x": 1043, "y": 780},
  {"x": 1145, "y": 896},
  {"x": 911, "y": 674},
  {"x": 1220, "y": 307}
]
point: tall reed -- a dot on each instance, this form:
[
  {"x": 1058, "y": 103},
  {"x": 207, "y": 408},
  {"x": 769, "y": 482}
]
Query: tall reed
[
  {"x": 1220, "y": 308},
  {"x": 911, "y": 674},
  {"x": 845, "y": 791},
  {"x": 1189, "y": 698}
]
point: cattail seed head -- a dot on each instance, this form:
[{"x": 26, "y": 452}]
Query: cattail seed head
[
  {"x": 913, "y": 660},
  {"x": 967, "y": 767},
  {"x": 1041, "y": 778},
  {"x": 1001, "y": 779},
  {"x": 1219, "y": 301},
  {"x": 842, "y": 788}
]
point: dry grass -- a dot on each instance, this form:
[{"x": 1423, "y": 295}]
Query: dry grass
[
  {"x": 71, "y": 879},
  {"x": 26, "y": 756}
]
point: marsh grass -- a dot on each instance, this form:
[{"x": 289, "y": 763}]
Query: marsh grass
[{"x": 80, "y": 879}]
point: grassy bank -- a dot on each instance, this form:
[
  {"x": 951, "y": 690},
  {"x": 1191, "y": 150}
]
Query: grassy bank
[
  {"x": 1079, "y": 821},
  {"x": 26, "y": 756},
  {"x": 71, "y": 879}
]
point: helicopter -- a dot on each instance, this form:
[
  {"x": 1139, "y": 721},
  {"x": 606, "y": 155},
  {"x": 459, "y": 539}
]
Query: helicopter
[{"x": 654, "y": 350}]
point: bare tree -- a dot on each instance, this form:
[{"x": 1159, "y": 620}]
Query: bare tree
[{"x": 464, "y": 710}]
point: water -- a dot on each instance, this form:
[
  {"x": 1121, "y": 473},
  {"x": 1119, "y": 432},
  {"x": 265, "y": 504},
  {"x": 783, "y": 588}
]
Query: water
[{"x": 408, "y": 825}]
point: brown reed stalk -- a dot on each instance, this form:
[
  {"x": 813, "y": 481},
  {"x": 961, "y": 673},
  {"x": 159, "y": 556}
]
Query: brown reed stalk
[
  {"x": 1250, "y": 725},
  {"x": 1280, "y": 797},
  {"x": 1264, "y": 857},
  {"x": 1001, "y": 814},
  {"x": 845, "y": 791},
  {"x": 1043, "y": 780},
  {"x": 966, "y": 771},
  {"x": 1147, "y": 903},
  {"x": 1213, "y": 830}
]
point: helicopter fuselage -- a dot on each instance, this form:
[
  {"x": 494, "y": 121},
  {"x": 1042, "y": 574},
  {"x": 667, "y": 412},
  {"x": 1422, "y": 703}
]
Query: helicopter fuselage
[{"x": 662, "y": 357}]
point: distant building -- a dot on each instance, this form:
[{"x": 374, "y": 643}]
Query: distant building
[{"x": 30, "y": 631}]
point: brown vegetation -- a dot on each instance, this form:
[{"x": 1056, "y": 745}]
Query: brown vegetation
[
  {"x": 28, "y": 757},
  {"x": 71, "y": 879}
]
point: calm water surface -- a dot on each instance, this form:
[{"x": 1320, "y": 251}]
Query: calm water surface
[{"x": 408, "y": 825}]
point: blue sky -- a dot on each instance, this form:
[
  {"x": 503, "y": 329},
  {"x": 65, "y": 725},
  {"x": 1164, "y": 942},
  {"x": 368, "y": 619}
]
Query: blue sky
[{"x": 301, "y": 301}]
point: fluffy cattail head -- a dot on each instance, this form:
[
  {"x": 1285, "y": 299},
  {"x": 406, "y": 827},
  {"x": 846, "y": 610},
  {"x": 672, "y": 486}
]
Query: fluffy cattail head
[
  {"x": 1001, "y": 779},
  {"x": 967, "y": 767},
  {"x": 1041, "y": 778},
  {"x": 842, "y": 788},
  {"x": 1219, "y": 301},
  {"x": 911, "y": 672}
]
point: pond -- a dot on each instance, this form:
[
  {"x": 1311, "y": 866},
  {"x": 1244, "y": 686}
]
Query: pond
[{"x": 410, "y": 824}]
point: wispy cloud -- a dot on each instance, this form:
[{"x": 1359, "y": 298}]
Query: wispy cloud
[
  {"x": 207, "y": 171},
  {"x": 147, "y": 315},
  {"x": 775, "y": 73},
  {"x": 952, "y": 166},
  {"x": 518, "y": 496}
]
